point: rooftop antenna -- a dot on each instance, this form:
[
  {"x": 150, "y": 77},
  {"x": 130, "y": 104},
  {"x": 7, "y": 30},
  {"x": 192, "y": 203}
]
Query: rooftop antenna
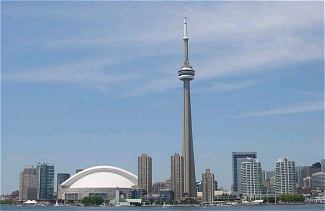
[{"x": 185, "y": 38}]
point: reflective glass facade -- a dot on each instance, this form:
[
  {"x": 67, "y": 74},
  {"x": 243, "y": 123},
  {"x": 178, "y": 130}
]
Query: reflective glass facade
[
  {"x": 45, "y": 174},
  {"x": 237, "y": 159}
]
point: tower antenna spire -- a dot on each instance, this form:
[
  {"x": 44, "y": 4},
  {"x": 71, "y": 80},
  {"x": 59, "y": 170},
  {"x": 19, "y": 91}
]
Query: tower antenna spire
[
  {"x": 185, "y": 10},
  {"x": 185, "y": 38}
]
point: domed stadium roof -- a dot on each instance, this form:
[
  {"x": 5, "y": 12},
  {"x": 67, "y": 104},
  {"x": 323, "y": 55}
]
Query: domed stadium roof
[{"x": 102, "y": 177}]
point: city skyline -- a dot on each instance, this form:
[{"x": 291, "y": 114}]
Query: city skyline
[{"x": 92, "y": 81}]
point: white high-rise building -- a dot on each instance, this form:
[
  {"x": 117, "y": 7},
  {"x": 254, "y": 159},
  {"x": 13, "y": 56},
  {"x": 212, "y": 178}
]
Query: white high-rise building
[
  {"x": 251, "y": 177},
  {"x": 285, "y": 176},
  {"x": 237, "y": 159}
]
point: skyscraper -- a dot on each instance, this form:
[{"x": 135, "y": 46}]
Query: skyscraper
[
  {"x": 28, "y": 184},
  {"x": 303, "y": 172},
  {"x": 45, "y": 187},
  {"x": 269, "y": 174},
  {"x": 237, "y": 159},
  {"x": 251, "y": 178},
  {"x": 145, "y": 173},
  {"x": 177, "y": 175},
  {"x": 208, "y": 186},
  {"x": 186, "y": 74},
  {"x": 30, "y": 169},
  {"x": 300, "y": 173},
  {"x": 61, "y": 177},
  {"x": 284, "y": 174}
]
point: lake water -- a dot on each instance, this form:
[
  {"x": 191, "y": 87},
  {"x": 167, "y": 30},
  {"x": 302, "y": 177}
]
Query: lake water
[{"x": 306, "y": 207}]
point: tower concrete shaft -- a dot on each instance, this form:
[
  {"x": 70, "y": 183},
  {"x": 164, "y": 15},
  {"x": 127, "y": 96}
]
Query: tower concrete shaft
[
  {"x": 188, "y": 151},
  {"x": 186, "y": 74}
]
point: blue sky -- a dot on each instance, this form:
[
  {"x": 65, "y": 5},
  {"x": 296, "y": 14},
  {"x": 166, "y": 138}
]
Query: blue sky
[{"x": 95, "y": 83}]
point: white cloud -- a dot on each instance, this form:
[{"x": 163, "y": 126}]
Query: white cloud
[
  {"x": 87, "y": 73},
  {"x": 226, "y": 39},
  {"x": 283, "y": 111},
  {"x": 224, "y": 87}
]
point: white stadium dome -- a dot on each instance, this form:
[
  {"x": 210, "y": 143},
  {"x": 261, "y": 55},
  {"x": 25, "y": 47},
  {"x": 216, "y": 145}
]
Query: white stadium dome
[{"x": 101, "y": 177}]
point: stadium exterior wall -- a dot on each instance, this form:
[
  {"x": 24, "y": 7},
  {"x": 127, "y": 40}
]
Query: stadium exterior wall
[{"x": 98, "y": 180}]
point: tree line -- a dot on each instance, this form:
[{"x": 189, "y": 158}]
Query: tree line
[
  {"x": 93, "y": 200},
  {"x": 293, "y": 198}
]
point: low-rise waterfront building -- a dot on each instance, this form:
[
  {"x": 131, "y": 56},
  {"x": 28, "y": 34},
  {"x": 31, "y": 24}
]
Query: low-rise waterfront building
[
  {"x": 157, "y": 186},
  {"x": 167, "y": 196}
]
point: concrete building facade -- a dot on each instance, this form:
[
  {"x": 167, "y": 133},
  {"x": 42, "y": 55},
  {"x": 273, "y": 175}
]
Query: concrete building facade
[
  {"x": 177, "y": 175},
  {"x": 145, "y": 173},
  {"x": 208, "y": 185},
  {"x": 169, "y": 183},
  {"x": 157, "y": 186},
  {"x": 98, "y": 181},
  {"x": 28, "y": 186}
]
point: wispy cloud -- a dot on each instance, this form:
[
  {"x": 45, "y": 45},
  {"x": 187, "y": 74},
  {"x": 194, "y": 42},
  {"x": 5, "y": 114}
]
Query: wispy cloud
[
  {"x": 254, "y": 38},
  {"x": 88, "y": 73},
  {"x": 224, "y": 87},
  {"x": 319, "y": 106}
]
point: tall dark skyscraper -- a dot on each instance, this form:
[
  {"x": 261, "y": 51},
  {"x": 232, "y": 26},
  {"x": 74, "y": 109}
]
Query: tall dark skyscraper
[
  {"x": 186, "y": 74},
  {"x": 61, "y": 177},
  {"x": 237, "y": 159},
  {"x": 45, "y": 173}
]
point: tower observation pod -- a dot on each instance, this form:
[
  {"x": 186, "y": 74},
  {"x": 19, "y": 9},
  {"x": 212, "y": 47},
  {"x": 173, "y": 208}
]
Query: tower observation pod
[{"x": 186, "y": 72}]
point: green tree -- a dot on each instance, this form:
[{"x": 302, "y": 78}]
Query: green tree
[
  {"x": 292, "y": 198},
  {"x": 86, "y": 201},
  {"x": 7, "y": 201},
  {"x": 96, "y": 200},
  {"x": 93, "y": 200}
]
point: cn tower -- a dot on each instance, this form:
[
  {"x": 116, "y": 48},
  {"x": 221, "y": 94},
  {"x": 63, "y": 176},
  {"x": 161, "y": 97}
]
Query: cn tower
[{"x": 186, "y": 74}]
